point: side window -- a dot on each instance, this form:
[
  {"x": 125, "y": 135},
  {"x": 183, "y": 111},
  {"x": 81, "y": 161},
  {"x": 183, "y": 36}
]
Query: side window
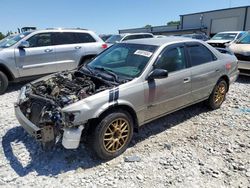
[
  {"x": 131, "y": 37},
  {"x": 198, "y": 37},
  {"x": 172, "y": 60},
  {"x": 84, "y": 38},
  {"x": 64, "y": 38},
  {"x": 38, "y": 40},
  {"x": 199, "y": 54},
  {"x": 147, "y": 36}
]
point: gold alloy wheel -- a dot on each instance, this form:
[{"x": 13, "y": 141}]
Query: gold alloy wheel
[
  {"x": 219, "y": 93},
  {"x": 116, "y": 135}
]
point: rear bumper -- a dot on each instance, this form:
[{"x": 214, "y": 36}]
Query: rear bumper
[
  {"x": 234, "y": 77},
  {"x": 32, "y": 129}
]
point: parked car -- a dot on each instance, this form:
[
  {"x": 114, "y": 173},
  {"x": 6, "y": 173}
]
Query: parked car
[
  {"x": 160, "y": 36},
  {"x": 126, "y": 86},
  {"x": 222, "y": 39},
  {"x": 198, "y": 36},
  {"x": 128, "y": 36},
  {"x": 241, "y": 49},
  {"x": 105, "y": 37},
  {"x": 36, "y": 53}
]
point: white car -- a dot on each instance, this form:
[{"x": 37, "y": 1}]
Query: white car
[
  {"x": 241, "y": 49},
  {"x": 127, "y": 36},
  {"x": 221, "y": 39}
]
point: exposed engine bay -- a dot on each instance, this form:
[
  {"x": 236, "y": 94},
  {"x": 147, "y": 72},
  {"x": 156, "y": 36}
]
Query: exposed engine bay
[
  {"x": 46, "y": 98},
  {"x": 66, "y": 88}
]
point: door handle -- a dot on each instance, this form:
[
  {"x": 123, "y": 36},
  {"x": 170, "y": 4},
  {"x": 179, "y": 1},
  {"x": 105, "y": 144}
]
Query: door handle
[
  {"x": 48, "y": 50},
  {"x": 78, "y": 47},
  {"x": 186, "y": 80},
  {"x": 217, "y": 70}
]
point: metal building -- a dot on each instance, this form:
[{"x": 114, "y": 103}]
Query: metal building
[{"x": 209, "y": 22}]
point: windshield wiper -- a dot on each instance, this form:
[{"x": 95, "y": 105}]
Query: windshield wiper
[
  {"x": 89, "y": 69},
  {"x": 110, "y": 72}
]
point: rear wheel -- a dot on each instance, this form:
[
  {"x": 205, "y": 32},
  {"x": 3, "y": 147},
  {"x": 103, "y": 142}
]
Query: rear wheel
[
  {"x": 218, "y": 95},
  {"x": 113, "y": 135},
  {"x": 3, "y": 82}
]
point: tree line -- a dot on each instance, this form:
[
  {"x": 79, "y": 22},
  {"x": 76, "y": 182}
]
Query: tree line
[{"x": 1, "y": 35}]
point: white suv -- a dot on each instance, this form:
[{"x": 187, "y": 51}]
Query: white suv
[{"x": 46, "y": 51}]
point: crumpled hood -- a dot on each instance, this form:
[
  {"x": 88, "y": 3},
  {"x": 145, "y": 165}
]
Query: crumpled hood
[{"x": 219, "y": 41}]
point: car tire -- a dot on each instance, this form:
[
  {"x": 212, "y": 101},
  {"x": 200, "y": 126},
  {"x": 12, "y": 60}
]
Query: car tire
[
  {"x": 3, "y": 82},
  {"x": 113, "y": 134},
  {"x": 218, "y": 95}
]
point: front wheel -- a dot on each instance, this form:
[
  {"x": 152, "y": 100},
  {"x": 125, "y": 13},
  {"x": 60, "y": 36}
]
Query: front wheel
[
  {"x": 218, "y": 95},
  {"x": 113, "y": 135},
  {"x": 3, "y": 82}
]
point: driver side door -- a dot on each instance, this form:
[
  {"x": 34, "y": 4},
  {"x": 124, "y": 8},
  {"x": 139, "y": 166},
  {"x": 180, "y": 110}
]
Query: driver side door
[
  {"x": 169, "y": 94},
  {"x": 38, "y": 58}
]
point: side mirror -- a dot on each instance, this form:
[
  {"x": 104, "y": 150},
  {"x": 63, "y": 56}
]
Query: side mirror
[
  {"x": 157, "y": 74},
  {"x": 24, "y": 44}
]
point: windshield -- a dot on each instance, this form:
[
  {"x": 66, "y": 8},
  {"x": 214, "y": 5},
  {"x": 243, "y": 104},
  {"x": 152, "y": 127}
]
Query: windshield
[
  {"x": 224, "y": 36},
  {"x": 127, "y": 61},
  {"x": 245, "y": 39},
  {"x": 11, "y": 40},
  {"x": 113, "y": 39},
  {"x": 6, "y": 39}
]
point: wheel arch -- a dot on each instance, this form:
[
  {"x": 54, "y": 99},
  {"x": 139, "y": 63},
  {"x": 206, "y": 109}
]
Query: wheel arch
[
  {"x": 225, "y": 77},
  {"x": 124, "y": 107},
  {"x": 7, "y": 72},
  {"x": 86, "y": 57}
]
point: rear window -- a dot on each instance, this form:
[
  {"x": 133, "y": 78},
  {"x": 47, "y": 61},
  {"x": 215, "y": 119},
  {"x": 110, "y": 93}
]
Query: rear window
[
  {"x": 131, "y": 37},
  {"x": 84, "y": 38},
  {"x": 113, "y": 39}
]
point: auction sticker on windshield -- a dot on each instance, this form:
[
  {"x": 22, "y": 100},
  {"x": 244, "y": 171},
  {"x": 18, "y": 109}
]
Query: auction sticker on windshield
[{"x": 143, "y": 53}]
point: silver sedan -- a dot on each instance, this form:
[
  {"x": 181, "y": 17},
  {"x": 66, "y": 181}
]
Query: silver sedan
[{"x": 126, "y": 86}]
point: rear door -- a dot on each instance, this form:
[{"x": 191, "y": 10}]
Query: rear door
[
  {"x": 205, "y": 70},
  {"x": 37, "y": 59},
  {"x": 168, "y": 94},
  {"x": 68, "y": 50}
]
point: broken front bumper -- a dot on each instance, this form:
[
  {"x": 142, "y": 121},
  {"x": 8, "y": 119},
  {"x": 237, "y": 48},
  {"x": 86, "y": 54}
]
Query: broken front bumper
[{"x": 32, "y": 129}]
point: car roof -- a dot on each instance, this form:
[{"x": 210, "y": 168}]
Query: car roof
[
  {"x": 126, "y": 34},
  {"x": 62, "y": 30},
  {"x": 160, "y": 41}
]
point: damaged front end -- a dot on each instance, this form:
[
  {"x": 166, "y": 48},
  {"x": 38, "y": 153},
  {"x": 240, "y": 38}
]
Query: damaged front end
[{"x": 40, "y": 103}]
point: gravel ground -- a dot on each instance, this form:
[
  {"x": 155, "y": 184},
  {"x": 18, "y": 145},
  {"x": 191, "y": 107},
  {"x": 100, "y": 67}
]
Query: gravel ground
[{"x": 193, "y": 147}]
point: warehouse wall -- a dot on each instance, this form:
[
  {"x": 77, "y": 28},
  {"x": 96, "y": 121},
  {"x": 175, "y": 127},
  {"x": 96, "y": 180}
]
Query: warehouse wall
[
  {"x": 248, "y": 20},
  {"x": 156, "y": 29},
  {"x": 193, "y": 20}
]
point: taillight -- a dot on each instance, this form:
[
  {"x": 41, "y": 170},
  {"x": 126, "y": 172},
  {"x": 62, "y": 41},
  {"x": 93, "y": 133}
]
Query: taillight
[
  {"x": 104, "y": 46},
  {"x": 228, "y": 66}
]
